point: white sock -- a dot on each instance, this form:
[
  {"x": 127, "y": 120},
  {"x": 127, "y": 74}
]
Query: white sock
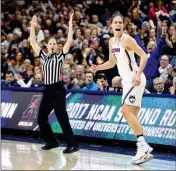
[{"x": 141, "y": 139}]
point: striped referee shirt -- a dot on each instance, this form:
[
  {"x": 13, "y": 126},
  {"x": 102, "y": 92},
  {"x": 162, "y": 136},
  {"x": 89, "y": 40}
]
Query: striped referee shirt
[{"x": 52, "y": 66}]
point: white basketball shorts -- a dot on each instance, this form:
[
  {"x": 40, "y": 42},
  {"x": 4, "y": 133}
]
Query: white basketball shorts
[{"x": 133, "y": 96}]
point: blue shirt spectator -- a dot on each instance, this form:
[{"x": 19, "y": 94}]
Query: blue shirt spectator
[
  {"x": 153, "y": 52},
  {"x": 90, "y": 84},
  {"x": 154, "y": 56}
]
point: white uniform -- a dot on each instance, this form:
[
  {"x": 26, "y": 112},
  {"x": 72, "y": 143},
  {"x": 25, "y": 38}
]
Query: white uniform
[{"x": 127, "y": 67}]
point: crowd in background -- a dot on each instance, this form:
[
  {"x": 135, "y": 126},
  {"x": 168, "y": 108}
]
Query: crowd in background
[{"x": 150, "y": 22}]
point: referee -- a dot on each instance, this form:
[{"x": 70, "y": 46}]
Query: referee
[{"x": 54, "y": 95}]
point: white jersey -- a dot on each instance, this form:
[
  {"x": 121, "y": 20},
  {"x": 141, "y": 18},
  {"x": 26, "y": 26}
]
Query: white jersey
[
  {"x": 127, "y": 68},
  {"x": 124, "y": 59}
]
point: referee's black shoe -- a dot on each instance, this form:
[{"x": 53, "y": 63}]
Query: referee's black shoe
[
  {"x": 71, "y": 149},
  {"x": 50, "y": 146}
]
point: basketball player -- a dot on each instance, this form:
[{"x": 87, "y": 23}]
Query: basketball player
[{"x": 121, "y": 52}]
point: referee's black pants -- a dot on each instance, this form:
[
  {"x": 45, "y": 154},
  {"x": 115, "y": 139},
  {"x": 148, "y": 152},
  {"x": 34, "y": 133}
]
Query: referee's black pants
[{"x": 54, "y": 97}]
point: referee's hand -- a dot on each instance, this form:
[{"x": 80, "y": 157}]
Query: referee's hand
[
  {"x": 71, "y": 20},
  {"x": 34, "y": 21}
]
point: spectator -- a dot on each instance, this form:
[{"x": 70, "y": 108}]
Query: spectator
[
  {"x": 78, "y": 57},
  {"x": 152, "y": 35},
  {"x": 80, "y": 76},
  {"x": 60, "y": 33},
  {"x": 159, "y": 88},
  {"x": 26, "y": 63},
  {"x": 4, "y": 65},
  {"x": 73, "y": 72},
  {"x": 154, "y": 54},
  {"x": 11, "y": 64},
  {"x": 10, "y": 80},
  {"x": 144, "y": 32},
  {"x": 164, "y": 26},
  {"x": 104, "y": 43},
  {"x": 101, "y": 11},
  {"x": 37, "y": 70},
  {"x": 173, "y": 74},
  {"x": 99, "y": 60},
  {"x": 93, "y": 35},
  {"x": 69, "y": 60},
  {"x": 87, "y": 34},
  {"x": 122, "y": 6},
  {"x": 78, "y": 38},
  {"x": 85, "y": 48},
  {"x": 30, "y": 71},
  {"x": 38, "y": 77},
  {"x": 7, "y": 41},
  {"x": 66, "y": 68},
  {"x": 117, "y": 84},
  {"x": 21, "y": 81},
  {"x": 94, "y": 52},
  {"x": 39, "y": 35},
  {"x": 92, "y": 7},
  {"x": 60, "y": 46},
  {"x": 173, "y": 88},
  {"x": 144, "y": 7},
  {"x": 46, "y": 35},
  {"x": 69, "y": 82},
  {"x": 101, "y": 80},
  {"x": 25, "y": 50},
  {"x": 135, "y": 18},
  {"x": 107, "y": 27},
  {"x": 172, "y": 13},
  {"x": 170, "y": 48},
  {"x": 155, "y": 12},
  {"x": 37, "y": 61},
  {"x": 18, "y": 64},
  {"x": 13, "y": 46},
  {"x": 164, "y": 68},
  {"x": 90, "y": 84},
  {"x": 38, "y": 81}
]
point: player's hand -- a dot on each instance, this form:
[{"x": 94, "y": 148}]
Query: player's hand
[
  {"x": 34, "y": 21},
  {"x": 94, "y": 68},
  {"x": 136, "y": 80}
]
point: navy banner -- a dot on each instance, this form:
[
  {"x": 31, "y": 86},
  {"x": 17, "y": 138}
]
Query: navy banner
[{"x": 94, "y": 115}]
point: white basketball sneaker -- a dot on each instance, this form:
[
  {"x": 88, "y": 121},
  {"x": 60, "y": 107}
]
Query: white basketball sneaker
[{"x": 143, "y": 153}]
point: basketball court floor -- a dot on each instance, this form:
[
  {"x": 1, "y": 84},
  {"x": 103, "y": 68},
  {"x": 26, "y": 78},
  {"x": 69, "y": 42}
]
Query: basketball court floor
[{"x": 17, "y": 155}]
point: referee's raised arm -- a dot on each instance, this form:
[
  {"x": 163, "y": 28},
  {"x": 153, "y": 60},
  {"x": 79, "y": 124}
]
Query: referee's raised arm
[
  {"x": 33, "y": 41},
  {"x": 70, "y": 36}
]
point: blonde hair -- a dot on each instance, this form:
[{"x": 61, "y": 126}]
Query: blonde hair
[
  {"x": 29, "y": 68},
  {"x": 137, "y": 11}
]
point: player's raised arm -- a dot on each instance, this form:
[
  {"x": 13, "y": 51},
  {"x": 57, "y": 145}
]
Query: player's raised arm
[
  {"x": 70, "y": 35},
  {"x": 33, "y": 41},
  {"x": 130, "y": 44}
]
